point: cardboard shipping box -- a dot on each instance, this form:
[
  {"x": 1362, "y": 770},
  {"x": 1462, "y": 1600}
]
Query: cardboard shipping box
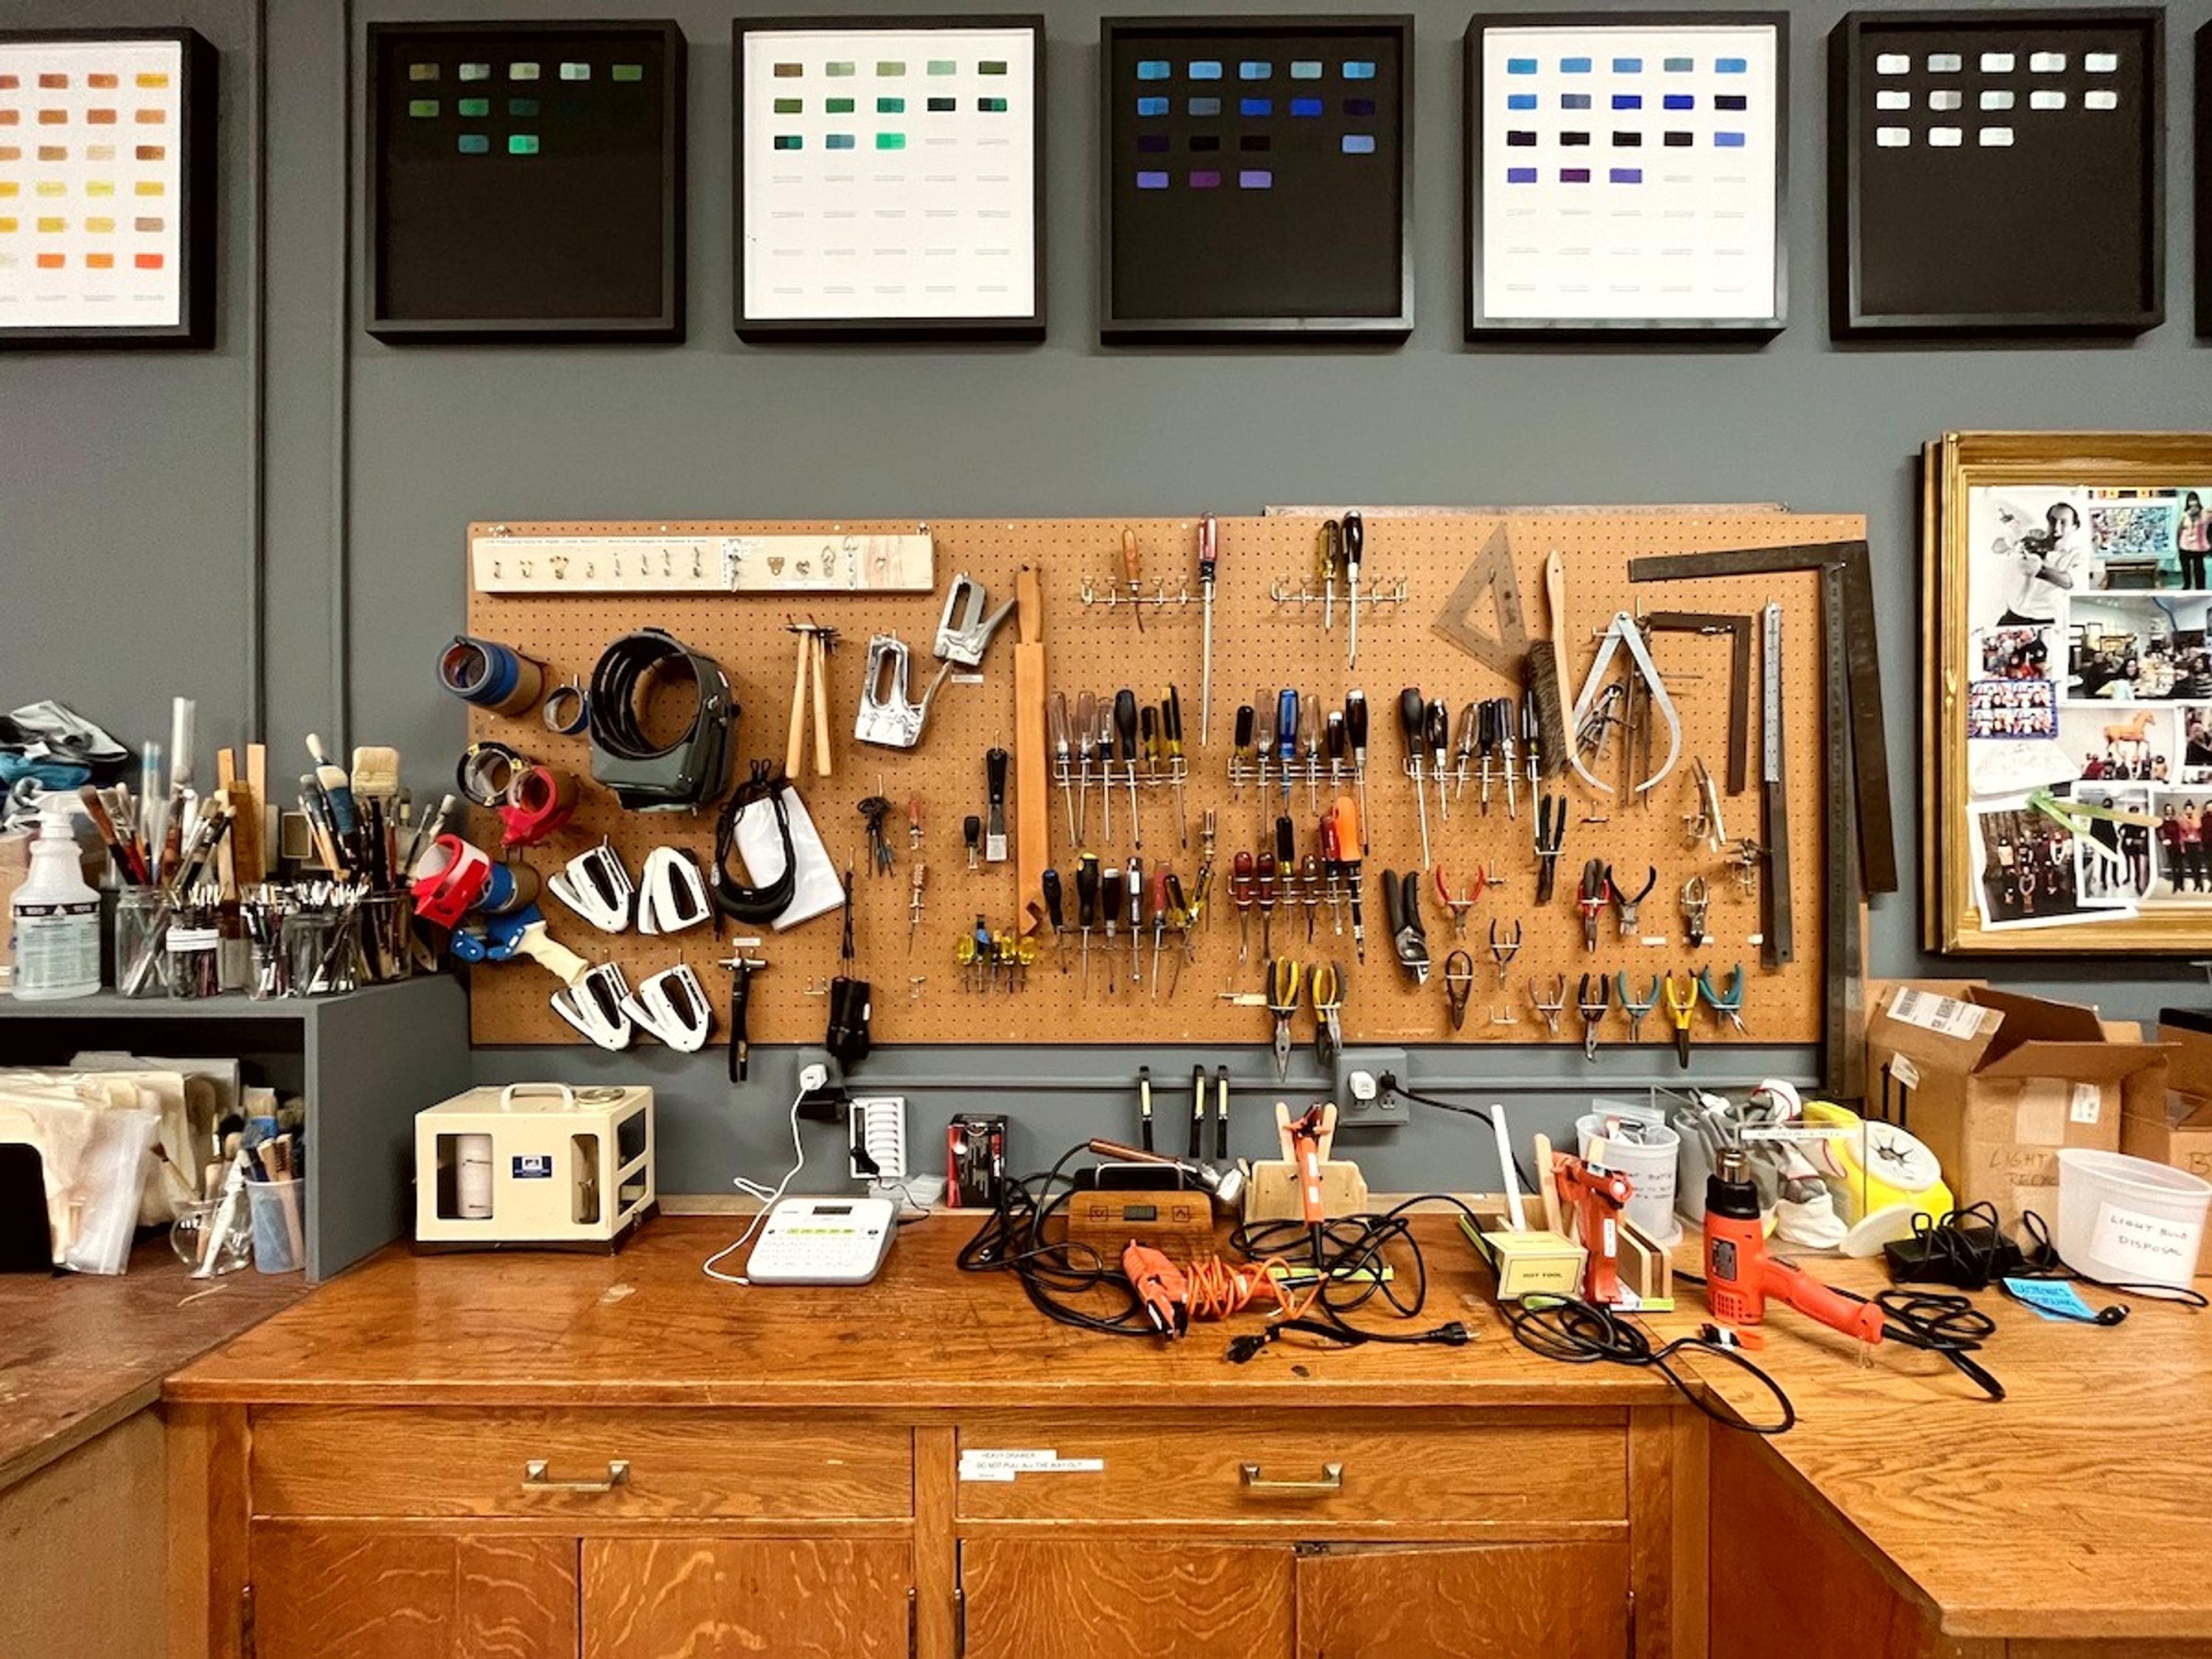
[
  {"x": 2176, "y": 1131},
  {"x": 1999, "y": 1082}
]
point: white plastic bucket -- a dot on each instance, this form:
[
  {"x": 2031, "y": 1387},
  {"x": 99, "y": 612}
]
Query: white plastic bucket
[
  {"x": 1651, "y": 1168},
  {"x": 2129, "y": 1221}
]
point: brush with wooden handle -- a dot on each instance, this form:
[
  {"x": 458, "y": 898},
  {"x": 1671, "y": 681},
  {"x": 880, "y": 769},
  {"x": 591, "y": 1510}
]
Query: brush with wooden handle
[{"x": 1546, "y": 671}]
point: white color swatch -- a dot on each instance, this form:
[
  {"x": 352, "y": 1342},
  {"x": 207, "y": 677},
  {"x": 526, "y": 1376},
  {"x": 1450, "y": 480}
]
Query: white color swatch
[
  {"x": 1692, "y": 239},
  {"x": 942, "y": 228}
]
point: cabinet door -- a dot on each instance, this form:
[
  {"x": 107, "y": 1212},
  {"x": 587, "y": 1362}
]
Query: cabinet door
[
  {"x": 1109, "y": 1599},
  {"x": 1494, "y": 1602},
  {"x": 323, "y": 1593},
  {"x": 747, "y": 1598}
]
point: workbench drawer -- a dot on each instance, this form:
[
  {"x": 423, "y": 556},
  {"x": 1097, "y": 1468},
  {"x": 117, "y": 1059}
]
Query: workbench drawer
[
  {"x": 1530, "y": 1470},
  {"x": 633, "y": 1462}
]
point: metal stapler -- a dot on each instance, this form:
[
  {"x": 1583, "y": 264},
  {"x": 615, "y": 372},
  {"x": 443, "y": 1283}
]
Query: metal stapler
[{"x": 887, "y": 718}]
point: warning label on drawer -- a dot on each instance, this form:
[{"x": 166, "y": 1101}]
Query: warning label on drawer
[{"x": 1003, "y": 1466}]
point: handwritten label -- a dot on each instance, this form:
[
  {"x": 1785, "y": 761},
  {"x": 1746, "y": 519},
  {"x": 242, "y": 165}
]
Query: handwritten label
[
  {"x": 1001, "y": 1466},
  {"x": 2053, "y": 1298},
  {"x": 2088, "y": 1103},
  {"x": 1945, "y": 1015},
  {"x": 2133, "y": 1246}
]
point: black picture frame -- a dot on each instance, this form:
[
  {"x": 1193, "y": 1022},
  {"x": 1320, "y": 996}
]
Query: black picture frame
[
  {"x": 1390, "y": 319},
  {"x": 1026, "y": 327},
  {"x": 660, "y": 320},
  {"x": 196, "y": 109},
  {"x": 1480, "y": 326},
  {"x": 2204, "y": 183},
  {"x": 1866, "y": 237}
]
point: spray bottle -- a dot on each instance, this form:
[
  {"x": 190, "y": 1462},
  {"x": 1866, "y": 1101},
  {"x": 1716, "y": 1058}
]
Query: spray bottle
[{"x": 55, "y": 915}]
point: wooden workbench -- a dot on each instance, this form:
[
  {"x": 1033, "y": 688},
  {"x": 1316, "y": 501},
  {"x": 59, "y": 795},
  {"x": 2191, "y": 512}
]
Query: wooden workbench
[{"x": 362, "y": 1454}]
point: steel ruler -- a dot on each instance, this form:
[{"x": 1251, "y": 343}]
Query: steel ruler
[{"x": 1777, "y": 929}]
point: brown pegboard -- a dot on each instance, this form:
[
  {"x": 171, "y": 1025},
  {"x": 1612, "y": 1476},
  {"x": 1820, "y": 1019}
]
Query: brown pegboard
[{"x": 1257, "y": 648}]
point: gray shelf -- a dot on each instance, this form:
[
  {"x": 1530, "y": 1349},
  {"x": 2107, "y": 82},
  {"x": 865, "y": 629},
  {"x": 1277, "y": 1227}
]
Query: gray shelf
[{"x": 366, "y": 1063}]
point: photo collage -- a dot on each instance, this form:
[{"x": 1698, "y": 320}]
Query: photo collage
[{"x": 2090, "y": 716}]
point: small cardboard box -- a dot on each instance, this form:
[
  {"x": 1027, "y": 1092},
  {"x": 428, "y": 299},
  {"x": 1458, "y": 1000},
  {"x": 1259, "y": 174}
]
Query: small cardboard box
[
  {"x": 1999, "y": 1082},
  {"x": 2177, "y": 1131}
]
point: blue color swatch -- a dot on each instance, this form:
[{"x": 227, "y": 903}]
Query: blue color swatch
[
  {"x": 1628, "y": 66},
  {"x": 1680, "y": 66},
  {"x": 1731, "y": 100},
  {"x": 1731, "y": 66},
  {"x": 1256, "y": 106},
  {"x": 1573, "y": 66},
  {"x": 1253, "y": 68},
  {"x": 1626, "y": 175},
  {"x": 1628, "y": 100},
  {"x": 1359, "y": 143},
  {"x": 1206, "y": 70},
  {"x": 1204, "y": 107},
  {"x": 1152, "y": 181},
  {"x": 1520, "y": 100},
  {"x": 1152, "y": 68},
  {"x": 1152, "y": 107},
  {"x": 1305, "y": 106},
  {"x": 1519, "y": 175},
  {"x": 1359, "y": 69},
  {"x": 1574, "y": 101},
  {"x": 1680, "y": 101},
  {"x": 1728, "y": 140},
  {"x": 1305, "y": 68},
  {"x": 1254, "y": 180},
  {"x": 1520, "y": 66}
]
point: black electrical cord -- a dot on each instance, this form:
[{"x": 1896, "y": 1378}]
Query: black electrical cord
[
  {"x": 731, "y": 897},
  {"x": 647, "y": 776},
  {"x": 1578, "y": 1333},
  {"x": 1528, "y": 1181}
]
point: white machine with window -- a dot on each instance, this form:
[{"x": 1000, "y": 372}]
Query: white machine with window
[
  {"x": 534, "y": 1166},
  {"x": 824, "y": 1241}
]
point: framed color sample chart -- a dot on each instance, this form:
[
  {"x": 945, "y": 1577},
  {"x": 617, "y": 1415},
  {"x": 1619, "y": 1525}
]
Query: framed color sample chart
[
  {"x": 2069, "y": 692},
  {"x": 890, "y": 177},
  {"x": 107, "y": 188},
  {"x": 1255, "y": 177},
  {"x": 526, "y": 181},
  {"x": 1996, "y": 172},
  {"x": 1626, "y": 173}
]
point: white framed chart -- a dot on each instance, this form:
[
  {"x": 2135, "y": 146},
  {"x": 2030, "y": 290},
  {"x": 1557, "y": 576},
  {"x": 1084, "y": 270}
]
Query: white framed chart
[
  {"x": 889, "y": 177},
  {"x": 1627, "y": 172}
]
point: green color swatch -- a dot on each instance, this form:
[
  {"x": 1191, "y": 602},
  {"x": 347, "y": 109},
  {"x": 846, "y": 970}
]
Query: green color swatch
[
  {"x": 790, "y": 106},
  {"x": 992, "y": 105},
  {"x": 890, "y": 106},
  {"x": 839, "y": 105},
  {"x": 628, "y": 71},
  {"x": 992, "y": 66},
  {"x": 788, "y": 141},
  {"x": 473, "y": 106},
  {"x": 522, "y": 143},
  {"x": 422, "y": 106},
  {"x": 891, "y": 140}
]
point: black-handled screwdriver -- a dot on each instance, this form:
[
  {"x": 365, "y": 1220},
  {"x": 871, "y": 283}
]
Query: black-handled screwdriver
[
  {"x": 1086, "y": 908},
  {"x": 1244, "y": 753},
  {"x": 1439, "y": 734},
  {"x": 1171, "y": 743},
  {"x": 1125, "y": 722},
  {"x": 1412, "y": 716},
  {"x": 1055, "y": 914},
  {"x": 1355, "y": 733}
]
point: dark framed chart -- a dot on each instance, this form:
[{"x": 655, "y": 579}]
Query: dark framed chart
[
  {"x": 107, "y": 188},
  {"x": 1626, "y": 173},
  {"x": 890, "y": 177},
  {"x": 1996, "y": 172},
  {"x": 1254, "y": 178},
  {"x": 526, "y": 181}
]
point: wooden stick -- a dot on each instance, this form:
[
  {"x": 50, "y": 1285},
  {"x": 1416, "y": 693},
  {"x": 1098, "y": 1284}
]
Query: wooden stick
[
  {"x": 1032, "y": 779},
  {"x": 820, "y": 644}
]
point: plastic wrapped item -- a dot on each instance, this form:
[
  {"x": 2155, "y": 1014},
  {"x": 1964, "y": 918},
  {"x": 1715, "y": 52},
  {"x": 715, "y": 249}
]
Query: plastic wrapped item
[{"x": 92, "y": 1140}]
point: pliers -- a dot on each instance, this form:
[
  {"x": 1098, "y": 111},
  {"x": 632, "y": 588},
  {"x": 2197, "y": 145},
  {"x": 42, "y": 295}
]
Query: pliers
[
  {"x": 1728, "y": 1007},
  {"x": 1552, "y": 1010},
  {"x": 1551, "y": 837},
  {"x": 1590, "y": 898},
  {"x": 1285, "y": 977},
  {"x": 1696, "y": 900},
  {"x": 1635, "y": 1010},
  {"x": 1593, "y": 1009},
  {"x": 1459, "y": 906},
  {"x": 1681, "y": 1003},
  {"x": 1327, "y": 987},
  {"x": 1629, "y": 905},
  {"x": 1502, "y": 952},
  {"x": 1402, "y": 896},
  {"x": 1459, "y": 985}
]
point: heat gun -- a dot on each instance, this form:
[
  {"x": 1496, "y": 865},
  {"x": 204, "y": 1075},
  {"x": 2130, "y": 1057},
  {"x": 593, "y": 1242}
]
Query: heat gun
[{"x": 1741, "y": 1276}]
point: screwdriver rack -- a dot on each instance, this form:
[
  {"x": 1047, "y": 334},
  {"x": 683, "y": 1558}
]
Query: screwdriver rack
[
  {"x": 1153, "y": 594},
  {"x": 1382, "y": 596},
  {"x": 923, "y": 993}
]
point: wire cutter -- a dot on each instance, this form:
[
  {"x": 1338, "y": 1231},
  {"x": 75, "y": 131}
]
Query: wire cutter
[
  {"x": 1460, "y": 904},
  {"x": 1593, "y": 1009},
  {"x": 1459, "y": 986},
  {"x": 1502, "y": 951},
  {"x": 1630, "y": 904},
  {"x": 1285, "y": 977},
  {"x": 1681, "y": 1003},
  {"x": 1635, "y": 1010},
  {"x": 1551, "y": 837},
  {"x": 1728, "y": 1007},
  {"x": 1552, "y": 1010},
  {"x": 1590, "y": 898},
  {"x": 1326, "y": 985},
  {"x": 1402, "y": 896}
]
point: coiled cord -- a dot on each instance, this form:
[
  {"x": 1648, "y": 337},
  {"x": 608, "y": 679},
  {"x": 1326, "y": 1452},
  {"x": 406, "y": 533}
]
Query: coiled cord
[{"x": 1578, "y": 1333}]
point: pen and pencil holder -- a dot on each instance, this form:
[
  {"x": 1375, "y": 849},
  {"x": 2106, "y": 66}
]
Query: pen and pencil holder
[
  {"x": 279, "y": 1244},
  {"x": 188, "y": 1237},
  {"x": 140, "y": 941}
]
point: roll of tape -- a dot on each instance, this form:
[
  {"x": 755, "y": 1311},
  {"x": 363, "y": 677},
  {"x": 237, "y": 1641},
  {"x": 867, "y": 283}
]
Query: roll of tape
[
  {"x": 510, "y": 887},
  {"x": 486, "y": 771},
  {"x": 449, "y": 880},
  {"x": 568, "y": 711},
  {"x": 491, "y": 675},
  {"x": 539, "y": 801}
]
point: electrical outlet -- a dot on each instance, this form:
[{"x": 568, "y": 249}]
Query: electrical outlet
[{"x": 1361, "y": 1100}]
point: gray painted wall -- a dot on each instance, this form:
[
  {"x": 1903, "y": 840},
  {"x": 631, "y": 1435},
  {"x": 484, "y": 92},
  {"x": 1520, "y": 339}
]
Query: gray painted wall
[{"x": 126, "y": 482}]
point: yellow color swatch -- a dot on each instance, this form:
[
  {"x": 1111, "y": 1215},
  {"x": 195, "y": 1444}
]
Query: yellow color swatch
[
  {"x": 149, "y": 187},
  {"x": 52, "y": 226},
  {"x": 9, "y": 226},
  {"x": 100, "y": 226},
  {"x": 100, "y": 188},
  {"x": 52, "y": 188},
  {"x": 153, "y": 79}
]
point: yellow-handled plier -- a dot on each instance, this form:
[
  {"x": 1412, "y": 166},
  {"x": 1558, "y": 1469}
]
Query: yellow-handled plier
[{"x": 1285, "y": 977}]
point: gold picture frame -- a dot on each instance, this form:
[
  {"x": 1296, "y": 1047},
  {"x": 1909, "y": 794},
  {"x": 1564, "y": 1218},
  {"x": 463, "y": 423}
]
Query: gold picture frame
[{"x": 1954, "y": 918}]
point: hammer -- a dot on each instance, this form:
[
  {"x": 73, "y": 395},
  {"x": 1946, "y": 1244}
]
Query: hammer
[{"x": 814, "y": 641}]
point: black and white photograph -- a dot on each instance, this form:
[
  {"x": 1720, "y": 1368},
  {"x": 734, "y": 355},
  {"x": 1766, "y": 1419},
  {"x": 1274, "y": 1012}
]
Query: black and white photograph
[
  {"x": 2112, "y": 860},
  {"x": 2030, "y": 871},
  {"x": 2032, "y": 550},
  {"x": 2011, "y": 708}
]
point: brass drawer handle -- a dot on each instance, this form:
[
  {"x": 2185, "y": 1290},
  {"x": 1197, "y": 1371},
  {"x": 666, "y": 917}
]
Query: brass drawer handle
[
  {"x": 536, "y": 1478},
  {"x": 1332, "y": 1479}
]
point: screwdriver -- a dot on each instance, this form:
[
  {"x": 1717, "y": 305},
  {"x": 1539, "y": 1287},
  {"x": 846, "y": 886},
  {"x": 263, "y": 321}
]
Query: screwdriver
[
  {"x": 1532, "y": 740},
  {"x": 1103, "y": 737},
  {"x": 914, "y": 903},
  {"x": 1086, "y": 908},
  {"x": 1244, "y": 755},
  {"x": 971, "y": 832},
  {"x": 1148, "y": 738},
  {"x": 1209, "y": 539},
  {"x": 1347, "y": 837},
  {"x": 1125, "y": 722},
  {"x": 1086, "y": 731},
  {"x": 1504, "y": 723},
  {"x": 1268, "y": 871},
  {"x": 1412, "y": 714},
  {"x": 1159, "y": 923},
  {"x": 1331, "y": 544},
  {"x": 1240, "y": 893},
  {"x": 1470, "y": 718},
  {"x": 1056, "y": 716},
  {"x": 1110, "y": 902},
  {"x": 1332, "y": 740},
  {"x": 1310, "y": 889},
  {"x": 1136, "y": 921},
  {"x": 1332, "y": 857},
  {"x": 1172, "y": 742},
  {"x": 1439, "y": 731},
  {"x": 1182, "y": 913},
  {"x": 995, "y": 834},
  {"x": 1355, "y": 733},
  {"x": 1056, "y": 916},
  {"x": 1286, "y": 737},
  {"x": 1263, "y": 740},
  {"x": 913, "y": 823},
  {"x": 1355, "y": 541},
  {"x": 1132, "y": 567},
  {"x": 1310, "y": 749}
]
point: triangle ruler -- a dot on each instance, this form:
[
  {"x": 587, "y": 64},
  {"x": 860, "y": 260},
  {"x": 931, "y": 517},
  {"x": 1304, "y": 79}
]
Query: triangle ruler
[{"x": 1492, "y": 577}]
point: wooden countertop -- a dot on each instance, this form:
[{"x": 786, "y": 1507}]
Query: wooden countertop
[
  {"x": 79, "y": 1353},
  {"x": 2079, "y": 1507}
]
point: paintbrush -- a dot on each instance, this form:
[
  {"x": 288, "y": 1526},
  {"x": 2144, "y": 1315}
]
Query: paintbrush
[
  {"x": 128, "y": 865},
  {"x": 337, "y": 788}
]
